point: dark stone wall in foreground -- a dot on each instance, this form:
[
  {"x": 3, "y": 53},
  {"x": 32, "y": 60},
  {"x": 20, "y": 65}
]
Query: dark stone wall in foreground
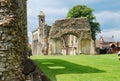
[{"x": 13, "y": 39}]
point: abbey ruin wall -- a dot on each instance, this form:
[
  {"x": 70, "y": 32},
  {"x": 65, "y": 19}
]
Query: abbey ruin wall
[{"x": 79, "y": 27}]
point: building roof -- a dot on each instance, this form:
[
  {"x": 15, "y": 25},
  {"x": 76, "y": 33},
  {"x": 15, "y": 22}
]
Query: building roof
[
  {"x": 105, "y": 42},
  {"x": 108, "y": 39}
]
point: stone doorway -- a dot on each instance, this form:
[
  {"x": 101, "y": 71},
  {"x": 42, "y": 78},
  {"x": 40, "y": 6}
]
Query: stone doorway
[{"x": 69, "y": 44}]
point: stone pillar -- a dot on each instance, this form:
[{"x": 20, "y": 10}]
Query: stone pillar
[
  {"x": 58, "y": 46},
  {"x": 13, "y": 39},
  {"x": 79, "y": 45},
  {"x": 92, "y": 51},
  {"x": 55, "y": 46},
  {"x": 52, "y": 48}
]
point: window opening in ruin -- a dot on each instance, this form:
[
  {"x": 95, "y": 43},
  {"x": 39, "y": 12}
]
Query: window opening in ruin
[{"x": 69, "y": 44}]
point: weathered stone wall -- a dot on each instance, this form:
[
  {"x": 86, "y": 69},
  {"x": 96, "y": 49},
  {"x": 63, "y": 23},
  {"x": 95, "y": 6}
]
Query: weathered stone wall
[
  {"x": 13, "y": 39},
  {"x": 76, "y": 26},
  {"x": 79, "y": 27}
]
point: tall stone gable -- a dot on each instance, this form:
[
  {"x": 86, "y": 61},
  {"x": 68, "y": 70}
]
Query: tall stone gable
[
  {"x": 13, "y": 39},
  {"x": 78, "y": 27},
  {"x": 40, "y": 36}
]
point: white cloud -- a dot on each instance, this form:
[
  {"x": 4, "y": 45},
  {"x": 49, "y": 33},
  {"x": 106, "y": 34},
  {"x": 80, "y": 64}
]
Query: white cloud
[
  {"x": 58, "y": 3},
  {"x": 56, "y": 11},
  {"x": 44, "y": 3},
  {"x": 34, "y": 6},
  {"x": 110, "y": 33},
  {"x": 51, "y": 14},
  {"x": 53, "y": 10},
  {"x": 108, "y": 16},
  {"x": 87, "y": 1}
]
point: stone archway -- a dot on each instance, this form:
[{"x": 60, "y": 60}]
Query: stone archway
[
  {"x": 69, "y": 44},
  {"x": 79, "y": 27}
]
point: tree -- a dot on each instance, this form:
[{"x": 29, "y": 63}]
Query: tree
[{"x": 84, "y": 11}]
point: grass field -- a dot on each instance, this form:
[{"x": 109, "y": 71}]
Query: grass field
[{"x": 80, "y": 67}]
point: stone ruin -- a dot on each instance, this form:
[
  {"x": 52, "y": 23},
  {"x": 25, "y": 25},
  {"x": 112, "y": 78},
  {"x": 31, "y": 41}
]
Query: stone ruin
[
  {"x": 70, "y": 36},
  {"x": 40, "y": 36},
  {"x": 60, "y": 41}
]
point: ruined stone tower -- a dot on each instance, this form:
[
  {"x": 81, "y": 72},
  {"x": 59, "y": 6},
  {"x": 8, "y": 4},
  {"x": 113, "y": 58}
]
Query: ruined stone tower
[
  {"x": 13, "y": 39},
  {"x": 41, "y": 18},
  {"x": 40, "y": 36}
]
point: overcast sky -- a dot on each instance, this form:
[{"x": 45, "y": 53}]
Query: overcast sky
[{"x": 107, "y": 13}]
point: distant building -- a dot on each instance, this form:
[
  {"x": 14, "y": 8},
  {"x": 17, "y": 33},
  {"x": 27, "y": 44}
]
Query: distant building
[
  {"x": 105, "y": 45},
  {"x": 40, "y": 36}
]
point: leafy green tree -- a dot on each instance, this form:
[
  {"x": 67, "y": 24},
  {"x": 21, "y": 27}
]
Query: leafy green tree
[{"x": 84, "y": 11}]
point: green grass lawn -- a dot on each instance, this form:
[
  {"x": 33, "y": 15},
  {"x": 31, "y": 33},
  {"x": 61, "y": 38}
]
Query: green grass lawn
[{"x": 80, "y": 67}]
